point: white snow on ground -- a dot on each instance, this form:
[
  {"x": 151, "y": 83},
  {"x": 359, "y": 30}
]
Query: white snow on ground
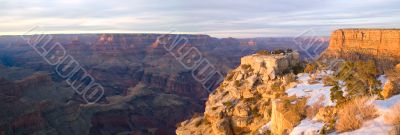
[
  {"x": 377, "y": 125},
  {"x": 307, "y": 127},
  {"x": 384, "y": 105},
  {"x": 313, "y": 91},
  {"x": 265, "y": 128},
  {"x": 383, "y": 80},
  {"x": 372, "y": 127}
]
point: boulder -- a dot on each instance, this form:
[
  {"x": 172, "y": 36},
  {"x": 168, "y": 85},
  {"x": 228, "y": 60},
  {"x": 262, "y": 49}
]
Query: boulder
[
  {"x": 397, "y": 68},
  {"x": 271, "y": 64},
  {"x": 326, "y": 114},
  {"x": 390, "y": 89},
  {"x": 222, "y": 127},
  {"x": 283, "y": 120}
]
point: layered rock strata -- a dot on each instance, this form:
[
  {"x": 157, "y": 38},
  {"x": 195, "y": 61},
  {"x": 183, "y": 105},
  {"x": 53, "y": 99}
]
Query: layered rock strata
[{"x": 381, "y": 45}]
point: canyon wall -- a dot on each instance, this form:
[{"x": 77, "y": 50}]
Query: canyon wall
[{"x": 381, "y": 45}]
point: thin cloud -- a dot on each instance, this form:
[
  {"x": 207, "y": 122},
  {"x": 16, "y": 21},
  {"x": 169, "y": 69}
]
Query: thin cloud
[{"x": 221, "y": 18}]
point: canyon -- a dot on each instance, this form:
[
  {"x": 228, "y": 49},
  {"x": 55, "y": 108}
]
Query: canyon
[{"x": 147, "y": 91}]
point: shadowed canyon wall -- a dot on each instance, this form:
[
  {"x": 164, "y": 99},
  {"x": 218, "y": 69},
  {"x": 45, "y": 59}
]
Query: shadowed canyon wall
[{"x": 147, "y": 91}]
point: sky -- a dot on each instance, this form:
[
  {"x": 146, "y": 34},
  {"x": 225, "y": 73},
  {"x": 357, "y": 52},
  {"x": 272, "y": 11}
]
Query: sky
[{"x": 218, "y": 18}]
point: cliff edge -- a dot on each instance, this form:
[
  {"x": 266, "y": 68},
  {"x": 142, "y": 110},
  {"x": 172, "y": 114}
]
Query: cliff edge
[
  {"x": 250, "y": 97},
  {"x": 381, "y": 45}
]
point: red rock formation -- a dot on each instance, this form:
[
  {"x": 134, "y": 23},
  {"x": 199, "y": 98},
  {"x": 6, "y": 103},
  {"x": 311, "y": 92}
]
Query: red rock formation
[
  {"x": 382, "y": 45},
  {"x": 9, "y": 91},
  {"x": 36, "y": 80},
  {"x": 28, "y": 123}
]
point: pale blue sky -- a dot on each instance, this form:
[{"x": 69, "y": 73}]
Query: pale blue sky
[{"x": 219, "y": 18}]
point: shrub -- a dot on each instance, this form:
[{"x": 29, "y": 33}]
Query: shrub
[
  {"x": 245, "y": 66},
  {"x": 298, "y": 69},
  {"x": 263, "y": 52},
  {"x": 228, "y": 104},
  {"x": 393, "y": 115},
  {"x": 278, "y": 51},
  {"x": 277, "y": 86},
  {"x": 288, "y": 78},
  {"x": 230, "y": 75},
  {"x": 390, "y": 89},
  {"x": 329, "y": 81},
  {"x": 352, "y": 114},
  {"x": 328, "y": 116},
  {"x": 255, "y": 112},
  {"x": 236, "y": 83},
  {"x": 310, "y": 68},
  {"x": 393, "y": 74},
  {"x": 312, "y": 110},
  {"x": 196, "y": 115},
  {"x": 395, "y": 130},
  {"x": 313, "y": 79},
  {"x": 298, "y": 108},
  {"x": 198, "y": 122},
  {"x": 337, "y": 95},
  {"x": 360, "y": 78}
]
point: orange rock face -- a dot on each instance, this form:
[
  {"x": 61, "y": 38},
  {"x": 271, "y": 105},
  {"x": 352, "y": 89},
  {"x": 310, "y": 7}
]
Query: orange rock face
[{"x": 381, "y": 45}]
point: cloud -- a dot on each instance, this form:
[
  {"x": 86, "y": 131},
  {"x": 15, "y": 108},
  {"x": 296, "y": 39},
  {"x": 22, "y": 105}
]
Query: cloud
[{"x": 221, "y": 18}]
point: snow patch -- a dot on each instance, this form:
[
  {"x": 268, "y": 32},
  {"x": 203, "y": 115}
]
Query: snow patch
[
  {"x": 265, "y": 128},
  {"x": 377, "y": 126},
  {"x": 385, "y": 105},
  {"x": 307, "y": 127},
  {"x": 383, "y": 79},
  {"x": 372, "y": 127},
  {"x": 313, "y": 91}
]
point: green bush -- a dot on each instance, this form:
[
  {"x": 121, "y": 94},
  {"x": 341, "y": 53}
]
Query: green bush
[
  {"x": 255, "y": 113},
  {"x": 310, "y": 68},
  {"x": 230, "y": 75},
  {"x": 360, "y": 78},
  {"x": 298, "y": 69},
  {"x": 228, "y": 104},
  {"x": 236, "y": 83},
  {"x": 263, "y": 52},
  {"x": 245, "y": 66},
  {"x": 278, "y": 51},
  {"x": 337, "y": 95},
  {"x": 329, "y": 81}
]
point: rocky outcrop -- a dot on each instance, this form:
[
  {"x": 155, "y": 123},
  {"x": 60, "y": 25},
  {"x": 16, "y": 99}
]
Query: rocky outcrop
[
  {"x": 392, "y": 85},
  {"x": 284, "y": 117},
  {"x": 9, "y": 88},
  {"x": 390, "y": 88},
  {"x": 382, "y": 45},
  {"x": 36, "y": 80},
  {"x": 271, "y": 65},
  {"x": 242, "y": 103}
]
